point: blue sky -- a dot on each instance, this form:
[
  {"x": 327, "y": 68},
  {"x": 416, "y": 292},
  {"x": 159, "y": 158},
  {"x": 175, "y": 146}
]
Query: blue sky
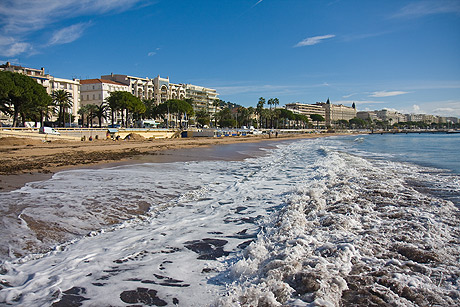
[{"x": 402, "y": 55}]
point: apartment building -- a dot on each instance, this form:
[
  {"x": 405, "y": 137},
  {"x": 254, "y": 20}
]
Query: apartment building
[
  {"x": 143, "y": 88},
  {"x": 332, "y": 113},
  {"x": 391, "y": 117},
  {"x": 50, "y": 83},
  {"x": 96, "y": 91},
  {"x": 203, "y": 97},
  {"x": 161, "y": 89},
  {"x": 367, "y": 115},
  {"x": 306, "y": 109}
]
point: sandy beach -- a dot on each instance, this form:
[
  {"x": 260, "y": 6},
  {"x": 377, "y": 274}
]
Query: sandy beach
[{"x": 25, "y": 160}]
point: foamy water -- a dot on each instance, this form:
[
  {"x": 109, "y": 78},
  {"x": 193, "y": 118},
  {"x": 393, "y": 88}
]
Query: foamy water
[{"x": 311, "y": 223}]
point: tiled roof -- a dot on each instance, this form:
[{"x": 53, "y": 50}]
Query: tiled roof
[{"x": 92, "y": 81}]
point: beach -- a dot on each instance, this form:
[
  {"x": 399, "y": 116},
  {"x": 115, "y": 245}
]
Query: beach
[
  {"x": 337, "y": 221},
  {"x": 25, "y": 160}
]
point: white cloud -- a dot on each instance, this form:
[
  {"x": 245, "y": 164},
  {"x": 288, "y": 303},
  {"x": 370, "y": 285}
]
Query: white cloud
[
  {"x": 21, "y": 19},
  {"x": 310, "y": 41},
  {"x": 68, "y": 34},
  {"x": 258, "y": 2},
  {"x": 357, "y": 102},
  {"x": 11, "y": 47},
  {"x": 387, "y": 94},
  {"x": 424, "y": 8},
  {"x": 348, "y": 96}
]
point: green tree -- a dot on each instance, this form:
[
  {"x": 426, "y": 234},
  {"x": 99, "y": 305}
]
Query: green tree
[
  {"x": 203, "y": 118},
  {"x": 259, "y": 109},
  {"x": 21, "y": 95},
  {"x": 62, "y": 101},
  {"x": 357, "y": 122},
  {"x": 286, "y": 116},
  {"x": 101, "y": 112},
  {"x": 125, "y": 103},
  {"x": 175, "y": 106},
  {"x": 83, "y": 112},
  {"x": 317, "y": 118}
]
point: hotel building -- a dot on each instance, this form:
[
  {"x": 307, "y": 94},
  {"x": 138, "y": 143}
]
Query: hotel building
[
  {"x": 96, "y": 91},
  {"x": 50, "y": 83},
  {"x": 332, "y": 113}
]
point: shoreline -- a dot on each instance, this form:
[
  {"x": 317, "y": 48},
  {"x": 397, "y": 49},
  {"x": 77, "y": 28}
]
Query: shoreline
[{"x": 24, "y": 160}]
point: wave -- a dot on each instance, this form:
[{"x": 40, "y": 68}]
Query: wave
[{"x": 357, "y": 232}]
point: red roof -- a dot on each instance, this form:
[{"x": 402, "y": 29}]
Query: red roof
[{"x": 93, "y": 81}]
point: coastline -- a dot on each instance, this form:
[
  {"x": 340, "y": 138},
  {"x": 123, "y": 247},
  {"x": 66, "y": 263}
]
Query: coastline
[{"x": 24, "y": 160}]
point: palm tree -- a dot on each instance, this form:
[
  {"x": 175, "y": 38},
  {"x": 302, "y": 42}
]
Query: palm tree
[
  {"x": 63, "y": 101},
  {"x": 100, "y": 113},
  {"x": 92, "y": 109},
  {"x": 259, "y": 110},
  {"x": 83, "y": 111}
]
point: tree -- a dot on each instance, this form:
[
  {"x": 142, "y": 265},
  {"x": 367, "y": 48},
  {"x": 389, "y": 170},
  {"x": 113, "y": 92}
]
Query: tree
[
  {"x": 62, "y": 101},
  {"x": 175, "y": 106},
  {"x": 21, "y": 95},
  {"x": 203, "y": 118},
  {"x": 83, "y": 111},
  {"x": 317, "y": 118},
  {"x": 357, "y": 122},
  {"x": 259, "y": 109},
  {"x": 124, "y": 102},
  {"x": 100, "y": 112},
  {"x": 286, "y": 116}
]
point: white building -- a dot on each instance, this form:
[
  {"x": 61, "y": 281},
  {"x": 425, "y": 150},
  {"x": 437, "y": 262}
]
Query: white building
[
  {"x": 96, "y": 91},
  {"x": 50, "y": 83},
  {"x": 143, "y": 88},
  {"x": 203, "y": 98}
]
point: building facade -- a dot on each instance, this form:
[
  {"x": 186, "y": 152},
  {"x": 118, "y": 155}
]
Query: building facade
[
  {"x": 367, "y": 115},
  {"x": 96, "y": 91},
  {"x": 51, "y": 84},
  {"x": 336, "y": 112},
  {"x": 330, "y": 112}
]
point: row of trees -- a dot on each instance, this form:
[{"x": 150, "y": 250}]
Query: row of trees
[{"x": 24, "y": 99}]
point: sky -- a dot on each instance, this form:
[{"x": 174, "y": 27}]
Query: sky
[{"x": 400, "y": 55}]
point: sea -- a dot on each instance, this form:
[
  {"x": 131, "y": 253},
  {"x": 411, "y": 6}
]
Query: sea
[{"x": 360, "y": 220}]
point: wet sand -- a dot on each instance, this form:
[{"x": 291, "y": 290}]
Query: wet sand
[{"x": 27, "y": 160}]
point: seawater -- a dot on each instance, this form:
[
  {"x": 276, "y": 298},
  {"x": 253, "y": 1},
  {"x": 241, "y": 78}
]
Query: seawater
[{"x": 366, "y": 220}]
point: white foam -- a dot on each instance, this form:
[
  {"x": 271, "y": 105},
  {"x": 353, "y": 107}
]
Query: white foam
[{"x": 320, "y": 220}]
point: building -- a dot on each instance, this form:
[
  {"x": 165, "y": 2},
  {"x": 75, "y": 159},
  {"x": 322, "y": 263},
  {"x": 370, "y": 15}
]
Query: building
[
  {"x": 96, "y": 91},
  {"x": 367, "y": 115},
  {"x": 336, "y": 112},
  {"x": 414, "y": 117},
  {"x": 332, "y": 113},
  {"x": 50, "y": 83},
  {"x": 306, "y": 109},
  {"x": 143, "y": 88},
  {"x": 203, "y": 98},
  {"x": 391, "y": 117}
]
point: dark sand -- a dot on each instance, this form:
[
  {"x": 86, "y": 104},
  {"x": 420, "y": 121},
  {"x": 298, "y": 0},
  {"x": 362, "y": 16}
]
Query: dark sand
[{"x": 23, "y": 161}]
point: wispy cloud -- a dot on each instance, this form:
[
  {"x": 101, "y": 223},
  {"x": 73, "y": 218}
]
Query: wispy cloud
[
  {"x": 22, "y": 19},
  {"x": 310, "y": 41},
  {"x": 424, "y": 8},
  {"x": 358, "y": 102},
  {"x": 387, "y": 94},
  {"x": 68, "y": 34},
  {"x": 258, "y": 2}
]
